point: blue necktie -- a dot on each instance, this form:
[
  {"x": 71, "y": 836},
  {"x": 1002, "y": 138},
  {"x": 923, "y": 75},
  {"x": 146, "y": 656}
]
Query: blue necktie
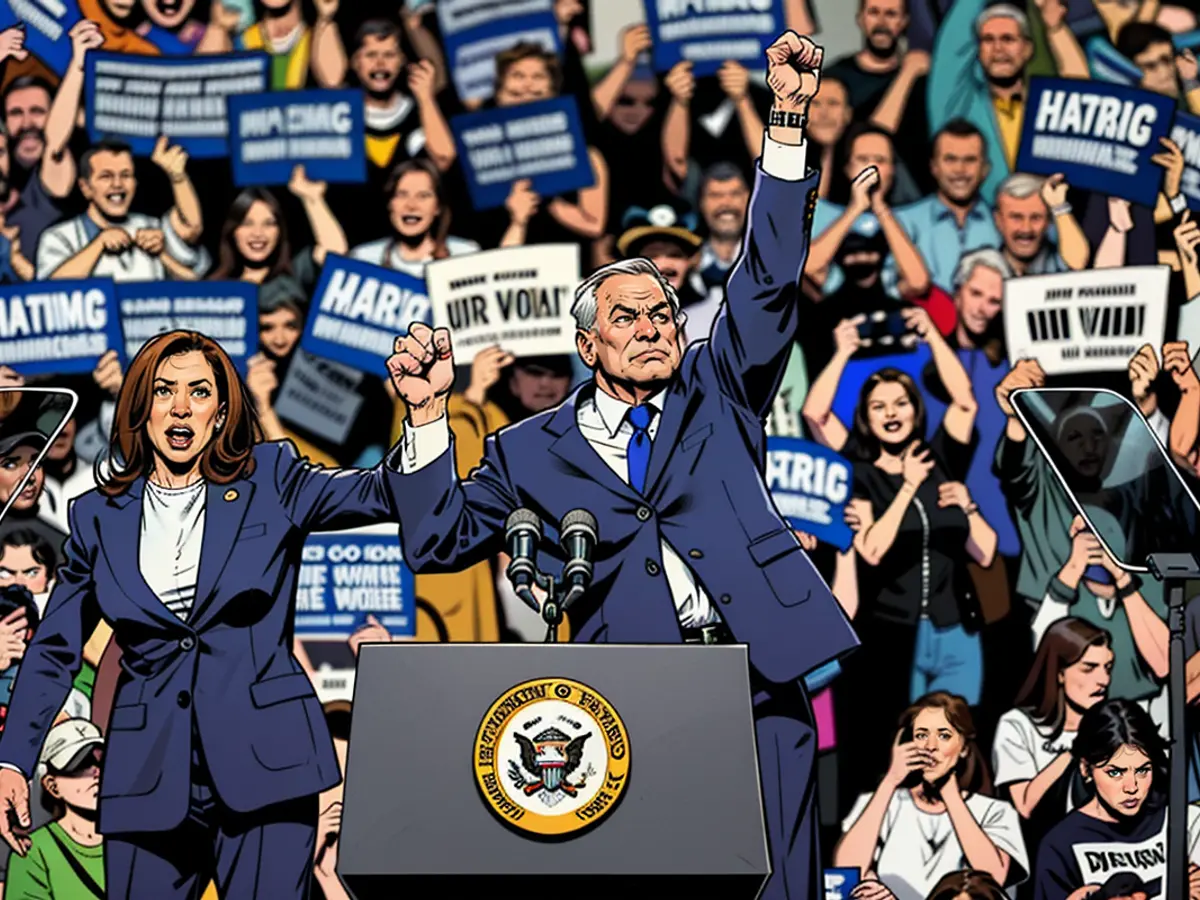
[{"x": 638, "y": 451}]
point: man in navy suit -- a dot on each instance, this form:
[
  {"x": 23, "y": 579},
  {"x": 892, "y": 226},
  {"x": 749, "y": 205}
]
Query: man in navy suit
[{"x": 666, "y": 448}]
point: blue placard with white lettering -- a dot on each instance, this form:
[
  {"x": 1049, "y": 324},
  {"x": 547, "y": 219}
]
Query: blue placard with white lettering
[
  {"x": 810, "y": 485},
  {"x": 475, "y": 31},
  {"x": 346, "y": 576},
  {"x": 1100, "y": 136},
  {"x": 271, "y": 133},
  {"x": 1186, "y": 134},
  {"x": 541, "y": 141},
  {"x": 226, "y": 311},
  {"x": 840, "y": 882},
  {"x": 137, "y": 98},
  {"x": 47, "y": 27},
  {"x": 58, "y": 327},
  {"x": 359, "y": 310},
  {"x": 709, "y": 32}
]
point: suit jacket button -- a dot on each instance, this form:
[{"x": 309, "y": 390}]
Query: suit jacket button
[
  {"x": 767, "y": 279},
  {"x": 184, "y": 699},
  {"x": 644, "y": 513},
  {"x": 651, "y": 567},
  {"x": 187, "y": 643},
  {"x": 695, "y": 554},
  {"x": 725, "y": 598}
]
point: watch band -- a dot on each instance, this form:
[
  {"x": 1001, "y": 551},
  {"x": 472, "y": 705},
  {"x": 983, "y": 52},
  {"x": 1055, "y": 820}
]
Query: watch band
[
  {"x": 1178, "y": 204},
  {"x": 781, "y": 119},
  {"x": 1135, "y": 585}
]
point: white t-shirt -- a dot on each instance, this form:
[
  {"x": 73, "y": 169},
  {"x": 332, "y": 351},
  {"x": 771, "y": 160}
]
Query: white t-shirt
[
  {"x": 1020, "y": 750},
  {"x": 376, "y": 253},
  {"x": 171, "y": 540},
  {"x": 917, "y": 849}
]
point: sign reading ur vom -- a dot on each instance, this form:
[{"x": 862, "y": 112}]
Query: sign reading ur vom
[
  {"x": 810, "y": 485},
  {"x": 1089, "y": 321},
  {"x": 226, "y": 311},
  {"x": 359, "y": 310},
  {"x": 61, "y": 327},
  {"x": 517, "y": 297},
  {"x": 47, "y": 23},
  {"x": 272, "y": 133},
  {"x": 1100, "y": 136},
  {"x": 541, "y": 141},
  {"x": 138, "y": 98},
  {"x": 346, "y": 576},
  {"x": 474, "y": 32},
  {"x": 709, "y": 32}
]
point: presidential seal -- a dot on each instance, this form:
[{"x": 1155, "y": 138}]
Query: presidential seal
[{"x": 551, "y": 757}]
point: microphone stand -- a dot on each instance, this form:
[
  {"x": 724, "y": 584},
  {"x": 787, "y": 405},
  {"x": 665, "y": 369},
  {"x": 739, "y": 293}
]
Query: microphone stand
[{"x": 559, "y": 598}]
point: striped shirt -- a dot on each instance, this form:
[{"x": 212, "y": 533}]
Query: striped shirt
[{"x": 171, "y": 539}]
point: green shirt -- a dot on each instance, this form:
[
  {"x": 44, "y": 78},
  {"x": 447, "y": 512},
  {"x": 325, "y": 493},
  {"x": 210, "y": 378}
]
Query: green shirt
[
  {"x": 45, "y": 873},
  {"x": 85, "y": 681}
]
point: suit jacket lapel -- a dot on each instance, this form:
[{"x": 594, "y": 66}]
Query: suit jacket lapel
[
  {"x": 676, "y": 410},
  {"x": 573, "y": 448},
  {"x": 225, "y": 508},
  {"x": 120, "y": 541}
]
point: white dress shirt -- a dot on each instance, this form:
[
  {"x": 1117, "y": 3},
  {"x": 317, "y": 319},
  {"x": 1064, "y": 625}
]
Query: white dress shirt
[
  {"x": 66, "y": 240},
  {"x": 604, "y": 422},
  {"x": 171, "y": 540}
]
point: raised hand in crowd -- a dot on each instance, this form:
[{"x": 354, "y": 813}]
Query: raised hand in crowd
[
  {"x": 954, "y": 493},
  {"x": 1143, "y": 370},
  {"x": 1053, "y": 12},
  {"x": 373, "y": 632},
  {"x": 171, "y": 158},
  {"x": 825, "y": 246},
  {"x": 635, "y": 40},
  {"x": 16, "y": 257},
  {"x": 261, "y": 383},
  {"x": 1172, "y": 161},
  {"x": 422, "y": 369},
  {"x": 677, "y": 128},
  {"x": 422, "y": 81},
  {"x": 734, "y": 79},
  {"x": 14, "y": 628},
  {"x": 1086, "y": 550},
  {"x": 1185, "y": 425},
  {"x": 12, "y": 43},
  {"x": 1111, "y": 251},
  {"x": 522, "y": 205},
  {"x": 808, "y": 542},
  {"x": 817, "y": 410},
  {"x": 85, "y": 36},
  {"x": 859, "y": 514},
  {"x": 681, "y": 83},
  {"x": 328, "y": 234},
  {"x": 485, "y": 372},
  {"x": 224, "y": 22},
  {"x": 1027, "y": 373},
  {"x": 907, "y": 758},
  {"x": 1187, "y": 238},
  {"x": 107, "y": 374}
]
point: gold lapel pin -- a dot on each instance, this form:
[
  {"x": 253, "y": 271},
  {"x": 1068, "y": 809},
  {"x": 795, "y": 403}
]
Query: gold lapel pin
[{"x": 231, "y": 495}]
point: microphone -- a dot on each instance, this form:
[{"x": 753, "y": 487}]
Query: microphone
[
  {"x": 522, "y": 533},
  {"x": 578, "y": 535}
]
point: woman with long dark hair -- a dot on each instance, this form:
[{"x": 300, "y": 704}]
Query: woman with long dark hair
[
  {"x": 191, "y": 548},
  {"x": 932, "y": 813},
  {"x": 1031, "y": 752},
  {"x": 1123, "y": 759},
  {"x": 255, "y": 245},
  {"x": 916, "y": 527}
]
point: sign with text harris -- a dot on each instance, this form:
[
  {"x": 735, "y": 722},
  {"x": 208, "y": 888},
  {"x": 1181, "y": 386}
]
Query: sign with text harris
[{"x": 1100, "y": 136}]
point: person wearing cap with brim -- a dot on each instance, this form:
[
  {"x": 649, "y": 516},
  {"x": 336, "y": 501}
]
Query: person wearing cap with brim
[
  {"x": 666, "y": 235},
  {"x": 66, "y": 855},
  {"x": 23, "y": 436}
]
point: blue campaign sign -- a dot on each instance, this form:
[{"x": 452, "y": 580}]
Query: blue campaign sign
[
  {"x": 346, "y": 576},
  {"x": 47, "y": 23},
  {"x": 541, "y": 141},
  {"x": 226, "y": 311},
  {"x": 810, "y": 485},
  {"x": 359, "y": 310},
  {"x": 1186, "y": 133},
  {"x": 709, "y": 32},
  {"x": 137, "y": 98},
  {"x": 840, "y": 882},
  {"x": 475, "y": 31},
  {"x": 58, "y": 327},
  {"x": 1100, "y": 136},
  {"x": 271, "y": 133}
]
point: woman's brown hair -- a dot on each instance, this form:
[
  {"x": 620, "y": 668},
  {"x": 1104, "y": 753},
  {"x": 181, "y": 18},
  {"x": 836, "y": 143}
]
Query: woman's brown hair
[
  {"x": 1062, "y": 646},
  {"x": 441, "y": 224},
  {"x": 866, "y": 446},
  {"x": 230, "y": 263},
  {"x": 527, "y": 50},
  {"x": 972, "y": 770},
  {"x": 976, "y": 885},
  {"x": 228, "y": 456}
]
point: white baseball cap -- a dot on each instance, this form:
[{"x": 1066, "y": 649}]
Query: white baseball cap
[{"x": 67, "y": 743}]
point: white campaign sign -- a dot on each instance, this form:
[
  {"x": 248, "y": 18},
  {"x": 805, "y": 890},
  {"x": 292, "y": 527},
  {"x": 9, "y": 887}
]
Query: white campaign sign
[
  {"x": 1090, "y": 321},
  {"x": 518, "y": 298}
]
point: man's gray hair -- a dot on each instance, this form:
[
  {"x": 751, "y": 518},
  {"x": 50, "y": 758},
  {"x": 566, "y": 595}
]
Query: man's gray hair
[
  {"x": 1003, "y": 11},
  {"x": 988, "y": 258},
  {"x": 586, "y": 307},
  {"x": 1020, "y": 186}
]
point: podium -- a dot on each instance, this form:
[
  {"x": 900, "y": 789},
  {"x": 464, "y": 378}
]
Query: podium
[{"x": 577, "y": 770}]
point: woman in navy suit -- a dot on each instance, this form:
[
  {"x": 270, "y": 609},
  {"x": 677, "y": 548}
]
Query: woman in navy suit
[{"x": 217, "y": 747}]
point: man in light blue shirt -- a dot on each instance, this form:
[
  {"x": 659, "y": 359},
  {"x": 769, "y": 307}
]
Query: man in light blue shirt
[{"x": 955, "y": 220}]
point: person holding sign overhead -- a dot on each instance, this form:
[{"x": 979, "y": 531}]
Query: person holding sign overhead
[
  {"x": 191, "y": 547},
  {"x": 110, "y": 240},
  {"x": 642, "y": 444}
]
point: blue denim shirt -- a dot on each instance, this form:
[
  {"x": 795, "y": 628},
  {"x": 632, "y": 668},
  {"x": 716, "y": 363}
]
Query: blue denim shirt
[{"x": 935, "y": 233}]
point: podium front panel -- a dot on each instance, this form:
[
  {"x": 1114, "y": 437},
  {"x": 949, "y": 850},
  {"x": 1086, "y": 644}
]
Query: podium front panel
[{"x": 688, "y": 815}]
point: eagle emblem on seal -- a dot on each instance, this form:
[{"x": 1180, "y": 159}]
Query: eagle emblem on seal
[{"x": 547, "y": 763}]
